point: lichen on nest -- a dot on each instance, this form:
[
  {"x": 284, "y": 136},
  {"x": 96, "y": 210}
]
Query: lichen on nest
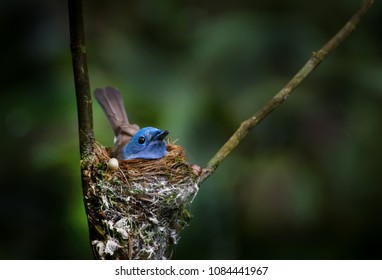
[{"x": 138, "y": 210}]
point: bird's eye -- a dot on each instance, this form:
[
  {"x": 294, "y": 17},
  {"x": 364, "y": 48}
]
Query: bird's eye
[{"x": 141, "y": 140}]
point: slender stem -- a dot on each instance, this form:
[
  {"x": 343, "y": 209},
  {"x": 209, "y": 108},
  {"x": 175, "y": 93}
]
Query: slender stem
[
  {"x": 81, "y": 78},
  {"x": 84, "y": 101},
  {"x": 286, "y": 91}
]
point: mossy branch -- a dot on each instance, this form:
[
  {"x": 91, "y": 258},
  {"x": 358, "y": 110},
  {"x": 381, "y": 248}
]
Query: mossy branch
[
  {"x": 84, "y": 101},
  {"x": 81, "y": 78},
  {"x": 286, "y": 91}
]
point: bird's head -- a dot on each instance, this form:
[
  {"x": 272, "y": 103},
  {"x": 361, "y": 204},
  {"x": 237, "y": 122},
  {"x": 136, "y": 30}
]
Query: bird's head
[{"x": 147, "y": 143}]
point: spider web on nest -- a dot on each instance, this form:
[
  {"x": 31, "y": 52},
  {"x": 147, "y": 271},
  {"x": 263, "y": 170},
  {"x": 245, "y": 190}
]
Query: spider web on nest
[{"x": 138, "y": 210}]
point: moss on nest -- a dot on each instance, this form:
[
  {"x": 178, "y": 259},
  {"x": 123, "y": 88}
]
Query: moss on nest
[{"x": 138, "y": 210}]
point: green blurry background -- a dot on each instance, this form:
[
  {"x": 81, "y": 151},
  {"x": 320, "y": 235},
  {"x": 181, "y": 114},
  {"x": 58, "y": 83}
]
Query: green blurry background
[{"x": 305, "y": 184}]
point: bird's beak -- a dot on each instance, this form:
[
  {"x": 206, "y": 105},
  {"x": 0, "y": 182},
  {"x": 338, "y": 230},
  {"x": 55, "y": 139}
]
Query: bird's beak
[{"x": 161, "y": 135}]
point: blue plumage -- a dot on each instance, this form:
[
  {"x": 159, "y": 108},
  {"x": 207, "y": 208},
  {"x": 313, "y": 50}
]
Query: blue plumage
[{"x": 147, "y": 143}]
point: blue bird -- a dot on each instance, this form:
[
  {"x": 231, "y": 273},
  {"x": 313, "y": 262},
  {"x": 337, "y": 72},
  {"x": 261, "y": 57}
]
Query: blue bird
[{"x": 130, "y": 141}]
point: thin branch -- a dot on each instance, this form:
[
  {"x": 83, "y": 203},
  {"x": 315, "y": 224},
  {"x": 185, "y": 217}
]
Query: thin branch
[
  {"x": 81, "y": 78},
  {"x": 84, "y": 101},
  {"x": 286, "y": 91}
]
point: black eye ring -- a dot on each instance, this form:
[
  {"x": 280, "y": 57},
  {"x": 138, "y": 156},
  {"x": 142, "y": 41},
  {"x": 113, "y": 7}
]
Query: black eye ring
[{"x": 141, "y": 140}]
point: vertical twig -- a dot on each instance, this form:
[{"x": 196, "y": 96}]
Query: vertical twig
[
  {"x": 84, "y": 102},
  {"x": 81, "y": 78}
]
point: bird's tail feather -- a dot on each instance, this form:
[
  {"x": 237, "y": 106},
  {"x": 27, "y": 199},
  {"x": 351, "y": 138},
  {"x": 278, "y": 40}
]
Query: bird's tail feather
[{"x": 112, "y": 103}]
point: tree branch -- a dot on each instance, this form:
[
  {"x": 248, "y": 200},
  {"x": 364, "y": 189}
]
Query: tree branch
[
  {"x": 84, "y": 101},
  {"x": 286, "y": 91},
  {"x": 81, "y": 78}
]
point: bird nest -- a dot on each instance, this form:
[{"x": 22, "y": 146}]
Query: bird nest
[{"x": 137, "y": 209}]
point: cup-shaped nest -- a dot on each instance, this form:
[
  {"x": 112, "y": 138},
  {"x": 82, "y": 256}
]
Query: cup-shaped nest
[{"x": 137, "y": 209}]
